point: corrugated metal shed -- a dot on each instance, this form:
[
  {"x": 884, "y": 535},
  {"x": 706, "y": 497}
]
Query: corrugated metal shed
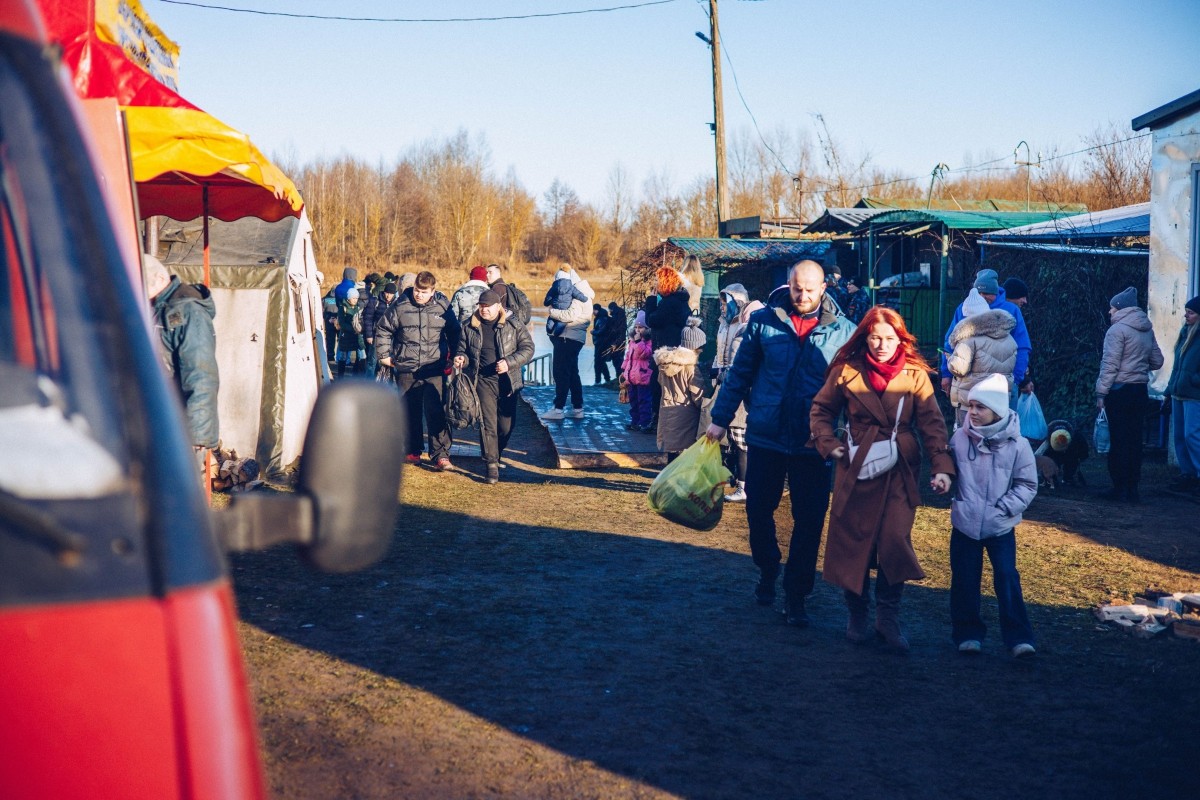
[
  {"x": 895, "y": 221},
  {"x": 841, "y": 220},
  {"x": 1112, "y": 223},
  {"x": 722, "y": 252},
  {"x": 990, "y": 204}
]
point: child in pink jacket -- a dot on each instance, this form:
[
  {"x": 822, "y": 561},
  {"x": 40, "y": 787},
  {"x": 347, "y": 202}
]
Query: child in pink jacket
[{"x": 638, "y": 371}]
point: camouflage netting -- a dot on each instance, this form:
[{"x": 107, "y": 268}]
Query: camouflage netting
[{"x": 1067, "y": 317}]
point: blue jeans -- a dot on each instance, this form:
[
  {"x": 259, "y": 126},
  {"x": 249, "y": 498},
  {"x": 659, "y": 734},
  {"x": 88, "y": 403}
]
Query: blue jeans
[
  {"x": 1186, "y": 425},
  {"x": 966, "y": 572},
  {"x": 808, "y": 477}
]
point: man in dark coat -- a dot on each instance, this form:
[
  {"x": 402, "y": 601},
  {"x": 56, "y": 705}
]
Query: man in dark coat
[
  {"x": 779, "y": 368},
  {"x": 492, "y": 349},
  {"x": 619, "y": 326},
  {"x": 415, "y": 338}
]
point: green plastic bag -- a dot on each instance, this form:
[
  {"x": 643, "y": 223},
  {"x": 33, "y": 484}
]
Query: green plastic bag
[{"x": 691, "y": 489}]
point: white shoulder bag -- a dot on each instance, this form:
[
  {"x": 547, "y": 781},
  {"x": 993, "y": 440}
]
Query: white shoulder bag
[{"x": 881, "y": 456}]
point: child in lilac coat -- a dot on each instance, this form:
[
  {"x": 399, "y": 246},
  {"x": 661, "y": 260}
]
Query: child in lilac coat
[
  {"x": 637, "y": 371},
  {"x": 997, "y": 480}
]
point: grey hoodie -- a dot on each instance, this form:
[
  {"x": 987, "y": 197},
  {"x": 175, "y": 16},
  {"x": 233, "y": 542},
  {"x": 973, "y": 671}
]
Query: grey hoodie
[
  {"x": 1130, "y": 351},
  {"x": 997, "y": 479}
]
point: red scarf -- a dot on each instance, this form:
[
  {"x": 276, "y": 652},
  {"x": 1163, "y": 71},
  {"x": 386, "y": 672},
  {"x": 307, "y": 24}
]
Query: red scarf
[{"x": 880, "y": 373}]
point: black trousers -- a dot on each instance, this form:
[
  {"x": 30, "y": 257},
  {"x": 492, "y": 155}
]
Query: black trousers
[
  {"x": 424, "y": 399},
  {"x": 498, "y": 408},
  {"x": 565, "y": 364},
  {"x": 1126, "y": 409},
  {"x": 809, "y": 479}
]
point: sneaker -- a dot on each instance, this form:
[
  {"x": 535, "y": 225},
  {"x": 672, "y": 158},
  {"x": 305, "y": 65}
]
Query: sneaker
[
  {"x": 738, "y": 496},
  {"x": 493, "y": 473},
  {"x": 795, "y": 613},
  {"x": 576, "y": 413},
  {"x": 1023, "y": 650},
  {"x": 413, "y": 458},
  {"x": 442, "y": 464},
  {"x": 971, "y": 647},
  {"x": 554, "y": 414}
]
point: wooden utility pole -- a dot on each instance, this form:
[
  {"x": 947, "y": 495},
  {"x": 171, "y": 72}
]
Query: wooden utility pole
[{"x": 718, "y": 118}]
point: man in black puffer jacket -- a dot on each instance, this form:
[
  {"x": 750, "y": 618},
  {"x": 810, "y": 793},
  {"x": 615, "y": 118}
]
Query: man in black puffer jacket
[
  {"x": 492, "y": 350},
  {"x": 414, "y": 338}
]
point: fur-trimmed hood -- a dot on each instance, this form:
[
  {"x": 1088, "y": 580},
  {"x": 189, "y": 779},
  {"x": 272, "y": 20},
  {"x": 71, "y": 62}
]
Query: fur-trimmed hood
[
  {"x": 994, "y": 323},
  {"x": 475, "y": 322},
  {"x": 672, "y": 360}
]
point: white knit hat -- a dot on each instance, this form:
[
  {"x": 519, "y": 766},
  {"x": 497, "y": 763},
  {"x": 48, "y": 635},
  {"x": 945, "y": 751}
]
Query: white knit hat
[
  {"x": 157, "y": 277},
  {"x": 974, "y": 304},
  {"x": 992, "y": 392}
]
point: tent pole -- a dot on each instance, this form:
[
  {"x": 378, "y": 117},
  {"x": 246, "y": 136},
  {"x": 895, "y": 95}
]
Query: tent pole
[{"x": 207, "y": 275}]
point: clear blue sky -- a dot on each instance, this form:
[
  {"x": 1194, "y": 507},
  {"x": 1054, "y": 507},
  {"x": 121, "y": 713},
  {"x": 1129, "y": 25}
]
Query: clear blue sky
[{"x": 912, "y": 84}]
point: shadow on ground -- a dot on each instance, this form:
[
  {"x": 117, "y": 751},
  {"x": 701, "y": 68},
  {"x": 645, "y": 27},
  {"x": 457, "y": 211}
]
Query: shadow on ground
[{"x": 649, "y": 659}]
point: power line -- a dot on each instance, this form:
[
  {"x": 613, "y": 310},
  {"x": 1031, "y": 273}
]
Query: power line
[{"x": 211, "y": 7}]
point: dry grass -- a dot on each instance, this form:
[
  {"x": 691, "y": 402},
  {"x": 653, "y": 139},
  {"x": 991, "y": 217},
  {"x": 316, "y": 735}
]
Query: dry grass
[{"x": 550, "y": 637}]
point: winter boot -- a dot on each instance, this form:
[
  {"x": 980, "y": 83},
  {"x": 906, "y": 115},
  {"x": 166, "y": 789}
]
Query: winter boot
[
  {"x": 764, "y": 592},
  {"x": 738, "y": 496},
  {"x": 887, "y": 616},
  {"x": 858, "y": 629}
]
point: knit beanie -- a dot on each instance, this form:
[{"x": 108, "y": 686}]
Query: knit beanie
[
  {"x": 992, "y": 392},
  {"x": 1193, "y": 305},
  {"x": 1015, "y": 289},
  {"x": 987, "y": 281},
  {"x": 1125, "y": 299},
  {"x": 390, "y": 288},
  {"x": 692, "y": 337},
  {"x": 157, "y": 277},
  {"x": 352, "y": 293},
  {"x": 640, "y": 319},
  {"x": 974, "y": 304},
  {"x": 479, "y": 274}
]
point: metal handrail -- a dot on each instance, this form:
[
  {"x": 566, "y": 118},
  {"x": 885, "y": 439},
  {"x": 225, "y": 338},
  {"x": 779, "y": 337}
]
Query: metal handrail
[{"x": 538, "y": 372}]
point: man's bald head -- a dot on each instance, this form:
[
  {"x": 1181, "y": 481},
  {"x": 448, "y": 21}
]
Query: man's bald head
[{"x": 806, "y": 283}]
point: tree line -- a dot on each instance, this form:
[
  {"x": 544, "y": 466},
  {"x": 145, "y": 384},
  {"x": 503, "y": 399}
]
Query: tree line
[{"x": 441, "y": 204}]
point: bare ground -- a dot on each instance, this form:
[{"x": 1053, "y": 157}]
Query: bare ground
[{"x": 550, "y": 637}]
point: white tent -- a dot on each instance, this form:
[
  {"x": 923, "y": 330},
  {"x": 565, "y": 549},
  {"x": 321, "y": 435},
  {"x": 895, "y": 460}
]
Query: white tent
[{"x": 270, "y": 333}]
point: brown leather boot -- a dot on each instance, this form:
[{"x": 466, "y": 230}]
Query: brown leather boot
[
  {"x": 887, "y": 617},
  {"x": 858, "y": 629}
]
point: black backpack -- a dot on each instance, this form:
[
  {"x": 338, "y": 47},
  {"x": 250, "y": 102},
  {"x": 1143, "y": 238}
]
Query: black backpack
[
  {"x": 518, "y": 304},
  {"x": 462, "y": 402}
]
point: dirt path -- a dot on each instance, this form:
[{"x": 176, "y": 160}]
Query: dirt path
[{"x": 551, "y": 638}]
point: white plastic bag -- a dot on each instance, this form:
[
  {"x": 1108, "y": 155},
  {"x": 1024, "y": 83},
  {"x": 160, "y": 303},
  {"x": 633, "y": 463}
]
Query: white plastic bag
[{"x": 1100, "y": 436}]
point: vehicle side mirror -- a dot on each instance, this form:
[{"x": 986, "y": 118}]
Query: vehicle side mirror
[{"x": 343, "y": 512}]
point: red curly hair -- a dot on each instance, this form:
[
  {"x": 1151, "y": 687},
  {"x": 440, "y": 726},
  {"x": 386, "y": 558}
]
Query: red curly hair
[
  {"x": 855, "y": 348},
  {"x": 669, "y": 280}
]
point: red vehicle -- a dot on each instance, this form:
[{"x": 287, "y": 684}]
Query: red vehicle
[{"x": 120, "y": 674}]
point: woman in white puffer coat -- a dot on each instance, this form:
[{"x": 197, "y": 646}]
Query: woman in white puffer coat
[{"x": 983, "y": 345}]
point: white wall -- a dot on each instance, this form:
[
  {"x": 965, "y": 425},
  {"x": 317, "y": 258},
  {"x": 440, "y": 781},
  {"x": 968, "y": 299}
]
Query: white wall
[{"x": 1176, "y": 148}]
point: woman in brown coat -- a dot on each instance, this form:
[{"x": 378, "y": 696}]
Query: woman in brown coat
[{"x": 878, "y": 375}]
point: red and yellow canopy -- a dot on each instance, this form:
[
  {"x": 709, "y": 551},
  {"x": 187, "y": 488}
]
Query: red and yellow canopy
[{"x": 179, "y": 153}]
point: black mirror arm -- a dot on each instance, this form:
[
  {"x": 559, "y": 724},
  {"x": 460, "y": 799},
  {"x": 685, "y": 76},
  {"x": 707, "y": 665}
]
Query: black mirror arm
[{"x": 258, "y": 521}]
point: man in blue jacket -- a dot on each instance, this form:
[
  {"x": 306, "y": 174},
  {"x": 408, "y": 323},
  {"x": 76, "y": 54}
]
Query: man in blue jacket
[
  {"x": 777, "y": 371},
  {"x": 987, "y": 281}
]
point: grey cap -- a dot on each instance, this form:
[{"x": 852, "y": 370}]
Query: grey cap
[
  {"x": 1125, "y": 299},
  {"x": 987, "y": 281}
]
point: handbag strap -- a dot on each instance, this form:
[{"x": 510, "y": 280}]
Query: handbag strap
[{"x": 895, "y": 428}]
